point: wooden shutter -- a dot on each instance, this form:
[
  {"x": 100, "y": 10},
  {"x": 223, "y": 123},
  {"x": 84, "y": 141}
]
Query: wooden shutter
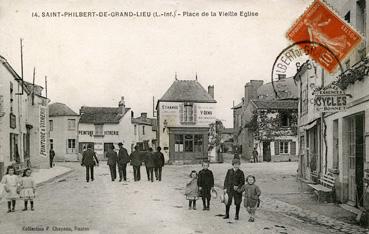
[
  {"x": 181, "y": 112},
  {"x": 276, "y": 147},
  {"x": 293, "y": 148}
]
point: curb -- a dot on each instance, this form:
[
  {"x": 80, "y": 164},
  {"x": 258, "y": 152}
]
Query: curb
[{"x": 54, "y": 178}]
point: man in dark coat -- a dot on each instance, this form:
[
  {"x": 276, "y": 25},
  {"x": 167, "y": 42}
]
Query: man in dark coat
[
  {"x": 112, "y": 162},
  {"x": 136, "y": 162},
  {"x": 89, "y": 160},
  {"x": 205, "y": 181},
  {"x": 159, "y": 163},
  {"x": 149, "y": 163},
  {"x": 51, "y": 155},
  {"x": 255, "y": 155},
  {"x": 233, "y": 183},
  {"x": 123, "y": 159}
]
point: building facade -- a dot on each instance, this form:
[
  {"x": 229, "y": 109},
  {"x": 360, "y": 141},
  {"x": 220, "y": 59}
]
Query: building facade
[
  {"x": 184, "y": 114},
  {"x": 144, "y": 130},
  {"x": 106, "y": 126},
  {"x": 336, "y": 142},
  {"x": 266, "y": 121},
  {"x": 63, "y": 129},
  {"x": 23, "y": 121}
]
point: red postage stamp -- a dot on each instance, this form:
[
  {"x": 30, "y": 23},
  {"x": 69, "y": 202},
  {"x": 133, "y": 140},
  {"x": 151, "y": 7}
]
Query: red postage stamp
[{"x": 332, "y": 39}]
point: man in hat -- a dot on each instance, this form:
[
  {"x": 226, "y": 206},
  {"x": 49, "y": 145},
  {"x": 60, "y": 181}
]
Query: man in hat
[
  {"x": 255, "y": 155},
  {"x": 159, "y": 163},
  {"x": 233, "y": 183},
  {"x": 123, "y": 159},
  {"x": 136, "y": 162},
  {"x": 89, "y": 160},
  {"x": 112, "y": 162}
]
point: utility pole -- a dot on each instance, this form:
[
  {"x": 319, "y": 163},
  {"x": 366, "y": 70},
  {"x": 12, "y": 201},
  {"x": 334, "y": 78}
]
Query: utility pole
[{"x": 33, "y": 86}]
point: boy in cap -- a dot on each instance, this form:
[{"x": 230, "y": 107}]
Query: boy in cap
[
  {"x": 233, "y": 183},
  {"x": 205, "y": 183}
]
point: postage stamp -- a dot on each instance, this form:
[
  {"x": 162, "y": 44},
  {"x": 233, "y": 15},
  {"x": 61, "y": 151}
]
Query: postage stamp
[{"x": 322, "y": 25}]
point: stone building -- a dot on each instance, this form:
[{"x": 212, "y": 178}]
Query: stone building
[
  {"x": 23, "y": 121},
  {"x": 144, "y": 129},
  {"x": 184, "y": 114},
  {"x": 63, "y": 128}
]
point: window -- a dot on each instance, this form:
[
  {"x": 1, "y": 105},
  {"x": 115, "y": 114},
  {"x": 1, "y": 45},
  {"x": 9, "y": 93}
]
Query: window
[
  {"x": 178, "y": 146},
  {"x": 143, "y": 130},
  {"x": 71, "y": 124},
  {"x": 71, "y": 146},
  {"x": 188, "y": 143},
  {"x": 188, "y": 113},
  {"x": 11, "y": 97},
  {"x": 51, "y": 125},
  {"x": 135, "y": 129},
  {"x": 283, "y": 147},
  {"x": 99, "y": 129},
  {"x": 285, "y": 119}
]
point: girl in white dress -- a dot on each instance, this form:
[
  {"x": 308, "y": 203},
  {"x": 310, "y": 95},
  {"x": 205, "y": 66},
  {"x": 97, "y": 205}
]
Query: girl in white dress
[
  {"x": 28, "y": 188},
  {"x": 11, "y": 183}
]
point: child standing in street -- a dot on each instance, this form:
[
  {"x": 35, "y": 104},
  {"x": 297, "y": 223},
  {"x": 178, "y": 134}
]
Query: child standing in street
[
  {"x": 192, "y": 191},
  {"x": 28, "y": 188},
  {"x": 11, "y": 182},
  {"x": 252, "y": 194},
  {"x": 206, "y": 184}
]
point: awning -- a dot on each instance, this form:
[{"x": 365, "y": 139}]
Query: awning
[{"x": 309, "y": 125}]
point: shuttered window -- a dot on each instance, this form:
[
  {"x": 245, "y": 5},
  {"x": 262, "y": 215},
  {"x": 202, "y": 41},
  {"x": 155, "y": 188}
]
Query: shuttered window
[
  {"x": 276, "y": 147},
  {"x": 187, "y": 113}
]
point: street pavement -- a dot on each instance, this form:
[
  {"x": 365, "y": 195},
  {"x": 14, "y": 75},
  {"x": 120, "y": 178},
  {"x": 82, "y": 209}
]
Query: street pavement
[{"x": 69, "y": 204}]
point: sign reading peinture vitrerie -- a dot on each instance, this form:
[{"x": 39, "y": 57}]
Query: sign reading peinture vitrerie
[
  {"x": 330, "y": 99},
  {"x": 43, "y": 132}
]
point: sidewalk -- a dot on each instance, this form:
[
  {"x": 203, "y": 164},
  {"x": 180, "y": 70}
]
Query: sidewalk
[{"x": 42, "y": 176}]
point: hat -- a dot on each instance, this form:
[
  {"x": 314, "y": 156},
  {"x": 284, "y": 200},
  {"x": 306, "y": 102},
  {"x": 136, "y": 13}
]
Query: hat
[
  {"x": 224, "y": 198},
  {"x": 120, "y": 143},
  {"x": 236, "y": 161}
]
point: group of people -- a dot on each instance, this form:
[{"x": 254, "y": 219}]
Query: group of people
[
  {"x": 16, "y": 187},
  {"x": 235, "y": 185},
  {"x": 153, "y": 161}
]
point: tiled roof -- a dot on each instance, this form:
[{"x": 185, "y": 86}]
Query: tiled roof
[
  {"x": 276, "y": 104},
  {"x": 286, "y": 88},
  {"x": 60, "y": 109},
  {"x": 101, "y": 115},
  {"x": 187, "y": 90}
]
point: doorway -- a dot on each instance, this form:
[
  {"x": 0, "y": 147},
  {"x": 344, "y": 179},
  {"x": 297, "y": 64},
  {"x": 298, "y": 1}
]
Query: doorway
[
  {"x": 266, "y": 151},
  {"x": 356, "y": 159}
]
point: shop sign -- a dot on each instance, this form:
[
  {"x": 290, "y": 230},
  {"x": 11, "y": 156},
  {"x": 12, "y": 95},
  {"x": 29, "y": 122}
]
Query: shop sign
[
  {"x": 43, "y": 146},
  {"x": 330, "y": 99}
]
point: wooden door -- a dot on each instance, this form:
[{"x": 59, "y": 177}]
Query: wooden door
[{"x": 351, "y": 163}]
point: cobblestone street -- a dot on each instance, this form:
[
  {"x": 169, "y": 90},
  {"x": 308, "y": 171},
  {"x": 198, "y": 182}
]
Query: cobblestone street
[{"x": 69, "y": 203}]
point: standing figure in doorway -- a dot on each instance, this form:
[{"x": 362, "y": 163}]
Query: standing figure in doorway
[
  {"x": 233, "y": 183},
  {"x": 123, "y": 159},
  {"x": 112, "y": 162},
  {"x": 89, "y": 160},
  {"x": 255, "y": 155}
]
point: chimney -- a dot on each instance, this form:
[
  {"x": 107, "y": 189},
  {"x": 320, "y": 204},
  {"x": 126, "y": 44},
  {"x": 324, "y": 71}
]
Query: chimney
[
  {"x": 144, "y": 116},
  {"x": 211, "y": 90},
  {"x": 251, "y": 90},
  {"x": 122, "y": 106}
]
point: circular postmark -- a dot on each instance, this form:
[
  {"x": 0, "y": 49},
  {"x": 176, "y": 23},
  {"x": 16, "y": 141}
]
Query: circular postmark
[{"x": 292, "y": 58}]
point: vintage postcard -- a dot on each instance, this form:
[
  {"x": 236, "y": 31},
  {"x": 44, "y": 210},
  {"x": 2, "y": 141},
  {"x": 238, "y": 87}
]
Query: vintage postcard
[{"x": 174, "y": 116}]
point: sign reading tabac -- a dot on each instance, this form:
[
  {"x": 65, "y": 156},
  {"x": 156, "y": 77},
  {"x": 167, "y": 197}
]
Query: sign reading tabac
[
  {"x": 331, "y": 38},
  {"x": 330, "y": 99}
]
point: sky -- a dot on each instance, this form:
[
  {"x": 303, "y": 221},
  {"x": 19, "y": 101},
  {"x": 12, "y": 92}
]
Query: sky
[{"x": 93, "y": 61}]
